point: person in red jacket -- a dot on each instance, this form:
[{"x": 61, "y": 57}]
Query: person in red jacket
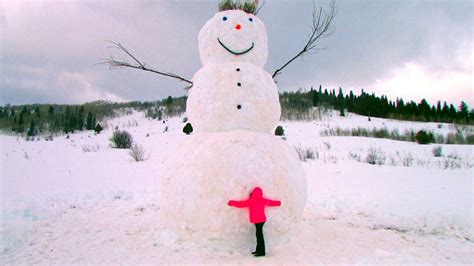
[{"x": 256, "y": 204}]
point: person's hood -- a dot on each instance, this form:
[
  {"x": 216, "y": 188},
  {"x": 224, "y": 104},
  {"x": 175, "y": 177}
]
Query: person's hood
[{"x": 256, "y": 193}]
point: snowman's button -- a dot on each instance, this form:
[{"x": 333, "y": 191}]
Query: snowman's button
[
  {"x": 239, "y": 106},
  {"x": 238, "y": 69},
  {"x": 239, "y": 84}
]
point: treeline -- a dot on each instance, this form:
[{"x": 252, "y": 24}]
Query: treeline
[
  {"x": 36, "y": 119},
  {"x": 375, "y": 106}
]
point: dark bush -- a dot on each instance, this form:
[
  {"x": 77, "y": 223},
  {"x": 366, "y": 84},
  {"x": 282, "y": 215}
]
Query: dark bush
[
  {"x": 188, "y": 128},
  {"x": 121, "y": 139},
  {"x": 423, "y": 137},
  {"x": 279, "y": 131},
  {"x": 98, "y": 128},
  {"x": 437, "y": 151},
  {"x": 470, "y": 139}
]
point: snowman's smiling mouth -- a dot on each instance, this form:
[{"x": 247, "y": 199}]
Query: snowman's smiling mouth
[{"x": 233, "y": 52}]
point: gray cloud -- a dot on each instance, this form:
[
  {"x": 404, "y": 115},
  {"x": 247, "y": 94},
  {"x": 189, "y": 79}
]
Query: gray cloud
[{"x": 49, "y": 48}]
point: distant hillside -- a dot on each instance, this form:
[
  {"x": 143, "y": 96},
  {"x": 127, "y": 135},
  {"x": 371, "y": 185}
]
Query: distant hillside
[
  {"x": 40, "y": 119},
  {"x": 35, "y": 119},
  {"x": 297, "y": 106}
]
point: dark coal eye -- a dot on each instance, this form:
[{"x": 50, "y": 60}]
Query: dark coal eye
[
  {"x": 250, "y": 19},
  {"x": 224, "y": 18}
]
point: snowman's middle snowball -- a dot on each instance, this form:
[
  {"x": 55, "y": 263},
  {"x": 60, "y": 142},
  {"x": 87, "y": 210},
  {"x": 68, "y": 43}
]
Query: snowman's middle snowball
[{"x": 219, "y": 88}]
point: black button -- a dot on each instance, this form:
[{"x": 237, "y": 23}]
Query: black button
[
  {"x": 238, "y": 69},
  {"x": 239, "y": 84},
  {"x": 239, "y": 106}
]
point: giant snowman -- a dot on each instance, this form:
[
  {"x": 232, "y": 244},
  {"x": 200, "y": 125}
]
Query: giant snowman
[{"x": 234, "y": 107}]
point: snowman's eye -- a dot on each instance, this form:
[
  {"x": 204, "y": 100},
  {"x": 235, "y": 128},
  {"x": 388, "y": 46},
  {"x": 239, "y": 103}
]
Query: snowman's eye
[
  {"x": 250, "y": 19},
  {"x": 224, "y": 18}
]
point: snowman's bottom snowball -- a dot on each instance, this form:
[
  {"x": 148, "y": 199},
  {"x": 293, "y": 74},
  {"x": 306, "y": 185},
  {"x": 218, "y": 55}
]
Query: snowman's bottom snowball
[{"x": 209, "y": 169}]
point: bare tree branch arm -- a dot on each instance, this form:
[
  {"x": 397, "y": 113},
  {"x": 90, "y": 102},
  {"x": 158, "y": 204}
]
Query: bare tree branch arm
[
  {"x": 321, "y": 28},
  {"x": 113, "y": 63}
]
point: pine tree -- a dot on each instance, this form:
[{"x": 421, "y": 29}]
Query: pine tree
[
  {"x": 89, "y": 121},
  {"x": 50, "y": 110},
  {"x": 169, "y": 100},
  {"x": 464, "y": 111},
  {"x": 37, "y": 112},
  {"x": 20, "y": 120},
  {"x": 32, "y": 129},
  {"x": 314, "y": 98},
  {"x": 340, "y": 99}
]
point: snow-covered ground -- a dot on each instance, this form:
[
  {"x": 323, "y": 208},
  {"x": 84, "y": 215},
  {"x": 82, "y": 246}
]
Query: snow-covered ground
[{"x": 77, "y": 200}]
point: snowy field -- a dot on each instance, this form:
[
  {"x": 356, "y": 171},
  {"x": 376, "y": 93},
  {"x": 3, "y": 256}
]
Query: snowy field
[{"x": 77, "y": 200}]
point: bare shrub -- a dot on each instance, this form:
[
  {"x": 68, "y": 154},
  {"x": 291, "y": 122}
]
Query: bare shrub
[
  {"x": 90, "y": 148},
  {"x": 452, "y": 163},
  {"x": 393, "y": 161},
  {"x": 381, "y": 133},
  {"x": 455, "y": 138},
  {"x": 407, "y": 161},
  {"x": 375, "y": 156},
  {"x": 328, "y": 145},
  {"x": 437, "y": 151},
  {"x": 305, "y": 153},
  {"x": 354, "y": 156},
  {"x": 138, "y": 153}
]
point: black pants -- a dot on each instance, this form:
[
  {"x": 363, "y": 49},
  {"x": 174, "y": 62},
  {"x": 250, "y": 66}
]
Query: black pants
[{"x": 260, "y": 249}]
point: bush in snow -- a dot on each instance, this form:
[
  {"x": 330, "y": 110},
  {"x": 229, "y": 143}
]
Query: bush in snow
[
  {"x": 456, "y": 138},
  {"x": 408, "y": 160},
  {"x": 121, "y": 139},
  {"x": 98, "y": 128},
  {"x": 328, "y": 145},
  {"x": 453, "y": 161},
  {"x": 188, "y": 128},
  {"x": 137, "y": 152},
  {"x": 438, "y": 151},
  {"x": 440, "y": 138},
  {"x": 305, "y": 153},
  {"x": 375, "y": 156},
  {"x": 470, "y": 139},
  {"x": 354, "y": 156},
  {"x": 279, "y": 131},
  {"x": 423, "y": 137},
  {"x": 90, "y": 148}
]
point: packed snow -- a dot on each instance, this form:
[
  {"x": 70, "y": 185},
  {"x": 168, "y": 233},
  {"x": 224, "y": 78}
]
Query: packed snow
[
  {"x": 208, "y": 169},
  {"x": 234, "y": 106},
  {"x": 77, "y": 200},
  {"x": 224, "y": 99}
]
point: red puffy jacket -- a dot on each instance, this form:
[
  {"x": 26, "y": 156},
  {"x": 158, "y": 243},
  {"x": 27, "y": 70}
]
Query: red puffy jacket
[{"x": 256, "y": 204}]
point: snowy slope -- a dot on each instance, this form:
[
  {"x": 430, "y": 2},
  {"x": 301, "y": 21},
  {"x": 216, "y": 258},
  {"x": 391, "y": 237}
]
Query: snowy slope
[{"x": 61, "y": 204}]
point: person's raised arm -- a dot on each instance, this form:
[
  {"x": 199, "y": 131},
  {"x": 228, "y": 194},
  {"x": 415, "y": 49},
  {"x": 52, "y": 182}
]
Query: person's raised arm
[
  {"x": 272, "y": 203},
  {"x": 238, "y": 203}
]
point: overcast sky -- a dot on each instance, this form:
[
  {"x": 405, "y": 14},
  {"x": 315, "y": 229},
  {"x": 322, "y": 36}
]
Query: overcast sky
[{"x": 409, "y": 49}]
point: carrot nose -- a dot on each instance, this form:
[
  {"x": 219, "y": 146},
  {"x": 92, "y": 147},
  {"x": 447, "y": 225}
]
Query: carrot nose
[{"x": 237, "y": 27}]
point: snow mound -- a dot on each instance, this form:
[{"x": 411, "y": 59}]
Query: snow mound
[{"x": 209, "y": 169}]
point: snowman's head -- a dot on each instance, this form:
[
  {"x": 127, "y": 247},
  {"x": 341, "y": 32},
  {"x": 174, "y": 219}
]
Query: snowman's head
[{"x": 233, "y": 35}]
